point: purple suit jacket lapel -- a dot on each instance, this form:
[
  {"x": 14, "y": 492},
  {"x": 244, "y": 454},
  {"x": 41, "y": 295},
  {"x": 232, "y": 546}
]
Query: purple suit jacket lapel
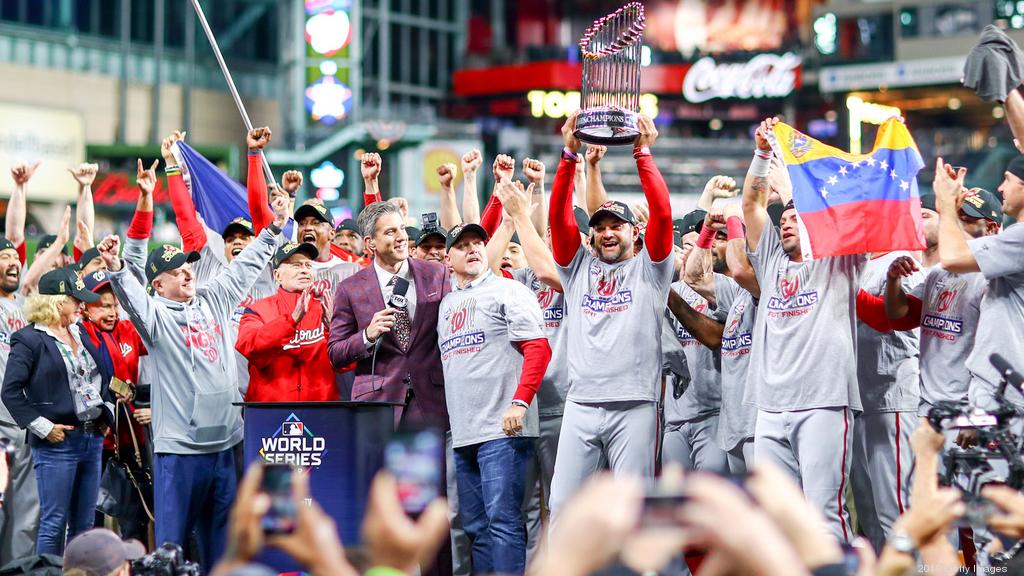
[{"x": 371, "y": 291}]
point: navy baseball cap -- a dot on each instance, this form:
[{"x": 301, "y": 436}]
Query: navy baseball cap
[
  {"x": 166, "y": 258},
  {"x": 614, "y": 208},
  {"x": 47, "y": 241},
  {"x": 775, "y": 210},
  {"x": 6, "y": 244},
  {"x": 980, "y": 203},
  {"x": 87, "y": 256},
  {"x": 582, "y": 219},
  {"x": 693, "y": 221},
  {"x": 99, "y": 552},
  {"x": 414, "y": 234},
  {"x": 96, "y": 281},
  {"x": 348, "y": 224},
  {"x": 462, "y": 229},
  {"x": 288, "y": 249},
  {"x": 65, "y": 282},
  {"x": 238, "y": 224},
  {"x": 928, "y": 201},
  {"x": 428, "y": 232},
  {"x": 318, "y": 211}
]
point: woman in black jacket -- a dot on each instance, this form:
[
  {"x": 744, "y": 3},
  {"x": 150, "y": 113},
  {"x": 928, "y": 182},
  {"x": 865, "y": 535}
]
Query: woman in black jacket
[{"x": 57, "y": 386}]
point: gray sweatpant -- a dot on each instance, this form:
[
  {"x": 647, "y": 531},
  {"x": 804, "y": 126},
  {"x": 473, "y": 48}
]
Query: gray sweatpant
[
  {"x": 741, "y": 457},
  {"x": 623, "y": 433},
  {"x": 882, "y": 466},
  {"x": 19, "y": 516},
  {"x": 694, "y": 445},
  {"x": 815, "y": 447},
  {"x": 538, "y": 481}
]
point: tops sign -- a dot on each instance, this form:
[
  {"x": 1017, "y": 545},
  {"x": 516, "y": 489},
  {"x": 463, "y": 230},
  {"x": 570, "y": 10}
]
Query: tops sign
[{"x": 764, "y": 76}]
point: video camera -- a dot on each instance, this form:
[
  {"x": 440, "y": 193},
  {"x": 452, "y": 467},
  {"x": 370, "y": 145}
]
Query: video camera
[{"x": 167, "y": 560}]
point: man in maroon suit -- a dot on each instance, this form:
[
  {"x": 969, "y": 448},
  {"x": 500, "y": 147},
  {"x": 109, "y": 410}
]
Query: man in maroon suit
[{"x": 395, "y": 346}]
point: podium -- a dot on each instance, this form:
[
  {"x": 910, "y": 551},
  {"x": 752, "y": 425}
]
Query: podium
[{"x": 342, "y": 445}]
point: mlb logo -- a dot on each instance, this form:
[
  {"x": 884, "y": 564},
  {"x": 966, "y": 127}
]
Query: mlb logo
[{"x": 292, "y": 429}]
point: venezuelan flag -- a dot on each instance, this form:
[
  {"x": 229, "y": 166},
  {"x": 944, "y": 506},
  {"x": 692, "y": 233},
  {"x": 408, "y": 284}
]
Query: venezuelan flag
[{"x": 855, "y": 203}]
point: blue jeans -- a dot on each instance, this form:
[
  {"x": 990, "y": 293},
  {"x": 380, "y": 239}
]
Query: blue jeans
[
  {"x": 492, "y": 478},
  {"x": 194, "y": 492},
  {"x": 68, "y": 476}
]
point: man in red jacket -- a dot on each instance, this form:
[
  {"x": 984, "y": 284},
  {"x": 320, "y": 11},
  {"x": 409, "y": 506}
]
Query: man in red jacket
[{"x": 284, "y": 336}]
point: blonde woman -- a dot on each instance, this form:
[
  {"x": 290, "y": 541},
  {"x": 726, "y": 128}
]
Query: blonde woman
[{"x": 57, "y": 386}]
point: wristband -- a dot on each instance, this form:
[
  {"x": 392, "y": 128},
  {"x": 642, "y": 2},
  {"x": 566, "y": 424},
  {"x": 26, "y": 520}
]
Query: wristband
[
  {"x": 706, "y": 240},
  {"x": 274, "y": 229},
  {"x": 760, "y": 165},
  {"x": 734, "y": 228},
  {"x": 172, "y": 169},
  {"x": 255, "y": 152},
  {"x": 518, "y": 402},
  {"x": 570, "y": 155},
  {"x": 641, "y": 151}
]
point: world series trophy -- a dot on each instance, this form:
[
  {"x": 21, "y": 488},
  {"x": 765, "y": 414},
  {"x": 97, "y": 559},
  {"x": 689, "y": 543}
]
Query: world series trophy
[{"x": 610, "y": 97}]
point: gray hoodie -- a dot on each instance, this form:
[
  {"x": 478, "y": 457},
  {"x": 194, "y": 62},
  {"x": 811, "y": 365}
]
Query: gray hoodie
[{"x": 191, "y": 355}]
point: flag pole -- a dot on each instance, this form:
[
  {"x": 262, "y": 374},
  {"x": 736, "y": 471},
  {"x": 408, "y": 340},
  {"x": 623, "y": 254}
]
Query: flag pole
[{"x": 231, "y": 86}]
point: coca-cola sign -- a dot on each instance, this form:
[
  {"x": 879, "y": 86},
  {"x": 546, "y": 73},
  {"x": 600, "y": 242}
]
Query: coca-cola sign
[{"x": 764, "y": 76}]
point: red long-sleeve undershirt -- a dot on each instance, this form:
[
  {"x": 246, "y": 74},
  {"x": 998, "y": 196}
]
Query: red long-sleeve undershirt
[
  {"x": 658, "y": 239},
  {"x": 22, "y": 253},
  {"x": 565, "y": 234},
  {"x": 141, "y": 227},
  {"x": 491, "y": 217},
  {"x": 256, "y": 186},
  {"x": 871, "y": 311},
  {"x": 536, "y": 356},
  {"x": 371, "y": 198},
  {"x": 193, "y": 237}
]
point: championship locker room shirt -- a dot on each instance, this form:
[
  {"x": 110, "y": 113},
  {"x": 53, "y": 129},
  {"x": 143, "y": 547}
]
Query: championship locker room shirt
[
  {"x": 888, "y": 370},
  {"x": 804, "y": 350},
  {"x": 611, "y": 309},
  {"x": 12, "y": 319},
  {"x": 950, "y": 305},
  {"x": 704, "y": 394},
  {"x": 736, "y": 421},
  {"x": 476, "y": 329},
  {"x": 555, "y": 386},
  {"x": 1001, "y": 323}
]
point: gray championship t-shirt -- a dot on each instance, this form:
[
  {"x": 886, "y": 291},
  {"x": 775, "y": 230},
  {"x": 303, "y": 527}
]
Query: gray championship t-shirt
[
  {"x": 950, "y": 305},
  {"x": 476, "y": 328},
  {"x": 555, "y": 387},
  {"x": 614, "y": 316},
  {"x": 887, "y": 364},
  {"x": 703, "y": 396},
  {"x": 1001, "y": 323},
  {"x": 805, "y": 336},
  {"x": 736, "y": 421},
  {"x": 12, "y": 319}
]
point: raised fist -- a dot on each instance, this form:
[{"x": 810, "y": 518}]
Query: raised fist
[
  {"x": 595, "y": 152},
  {"x": 370, "y": 165},
  {"x": 471, "y": 161},
  {"x": 165, "y": 147},
  {"x": 504, "y": 167},
  {"x": 648, "y": 132},
  {"x": 761, "y": 135},
  {"x": 533, "y": 170},
  {"x": 257, "y": 138},
  {"x": 146, "y": 179},
  {"x": 291, "y": 181},
  {"x": 721, "y": 187},
  {"x": 446, "y": 174}
]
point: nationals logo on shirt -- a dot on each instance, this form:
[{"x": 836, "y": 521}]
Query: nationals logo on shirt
[
  {"x": 460, "y": 336},
  {"x": 789, "y": 300},
  {"x": 203, "y": 336},
  {"x": 607, "y": 298},
  {"x": 305, "y": 338}
]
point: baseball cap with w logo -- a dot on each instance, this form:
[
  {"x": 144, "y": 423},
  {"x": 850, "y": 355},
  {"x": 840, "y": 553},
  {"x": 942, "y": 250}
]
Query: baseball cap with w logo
[
  {"x": 613, "y": 208},
  {"x": 166, "y": 258}
]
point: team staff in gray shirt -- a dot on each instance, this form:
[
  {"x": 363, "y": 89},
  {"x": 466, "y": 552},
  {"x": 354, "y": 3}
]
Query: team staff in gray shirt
[
  {"x": 1000, "y": 258},
  {"x": 494, "y": 355},
  {"x": 196, "y": 425}
]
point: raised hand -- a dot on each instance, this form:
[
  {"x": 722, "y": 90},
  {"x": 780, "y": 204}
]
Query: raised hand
[
  {"x": 513, "y": 198},
  {"x": 504, "y": 167},
  {"x": 369, "y": 165},
  {"x": 22, "y": 172},
  {"x": 403, "y": 206},
  {"x": 641, "y": 212},
  {"x": 761, "y": 135},
  {"x": 595, "y": 152},
  {"x": 471, "y": 161},
  {"x": 291, "y": 181},
  {"x": 326, "y": 307},
  {"x": 85, "y": 173},
  {"x": 720, "y": 187},
  {"x": 648, "y": 132},
  {"x": 109, "y": 250},
  {"x": 778, "y": 179},
  {"x": 165, "y": 147},
  {"x": 446, "y": 175},
  {"x": 569, "y": 133},
  {"x": 280, "y": 207},
  {"x": 302, "y": 304},
  {"x": 902, "y": 267},
  {"x": 64, "y": 232},
  {"x": 715, "y": 219},
  {"x": 534, "y": 171},
  {"x": 83, "y": 240},
  {"x": 948, "y": 183},
  {"x": 257, "y": 138},
  {"x": 146, "y": 179},
  {"x": 394, "y": 540}
]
